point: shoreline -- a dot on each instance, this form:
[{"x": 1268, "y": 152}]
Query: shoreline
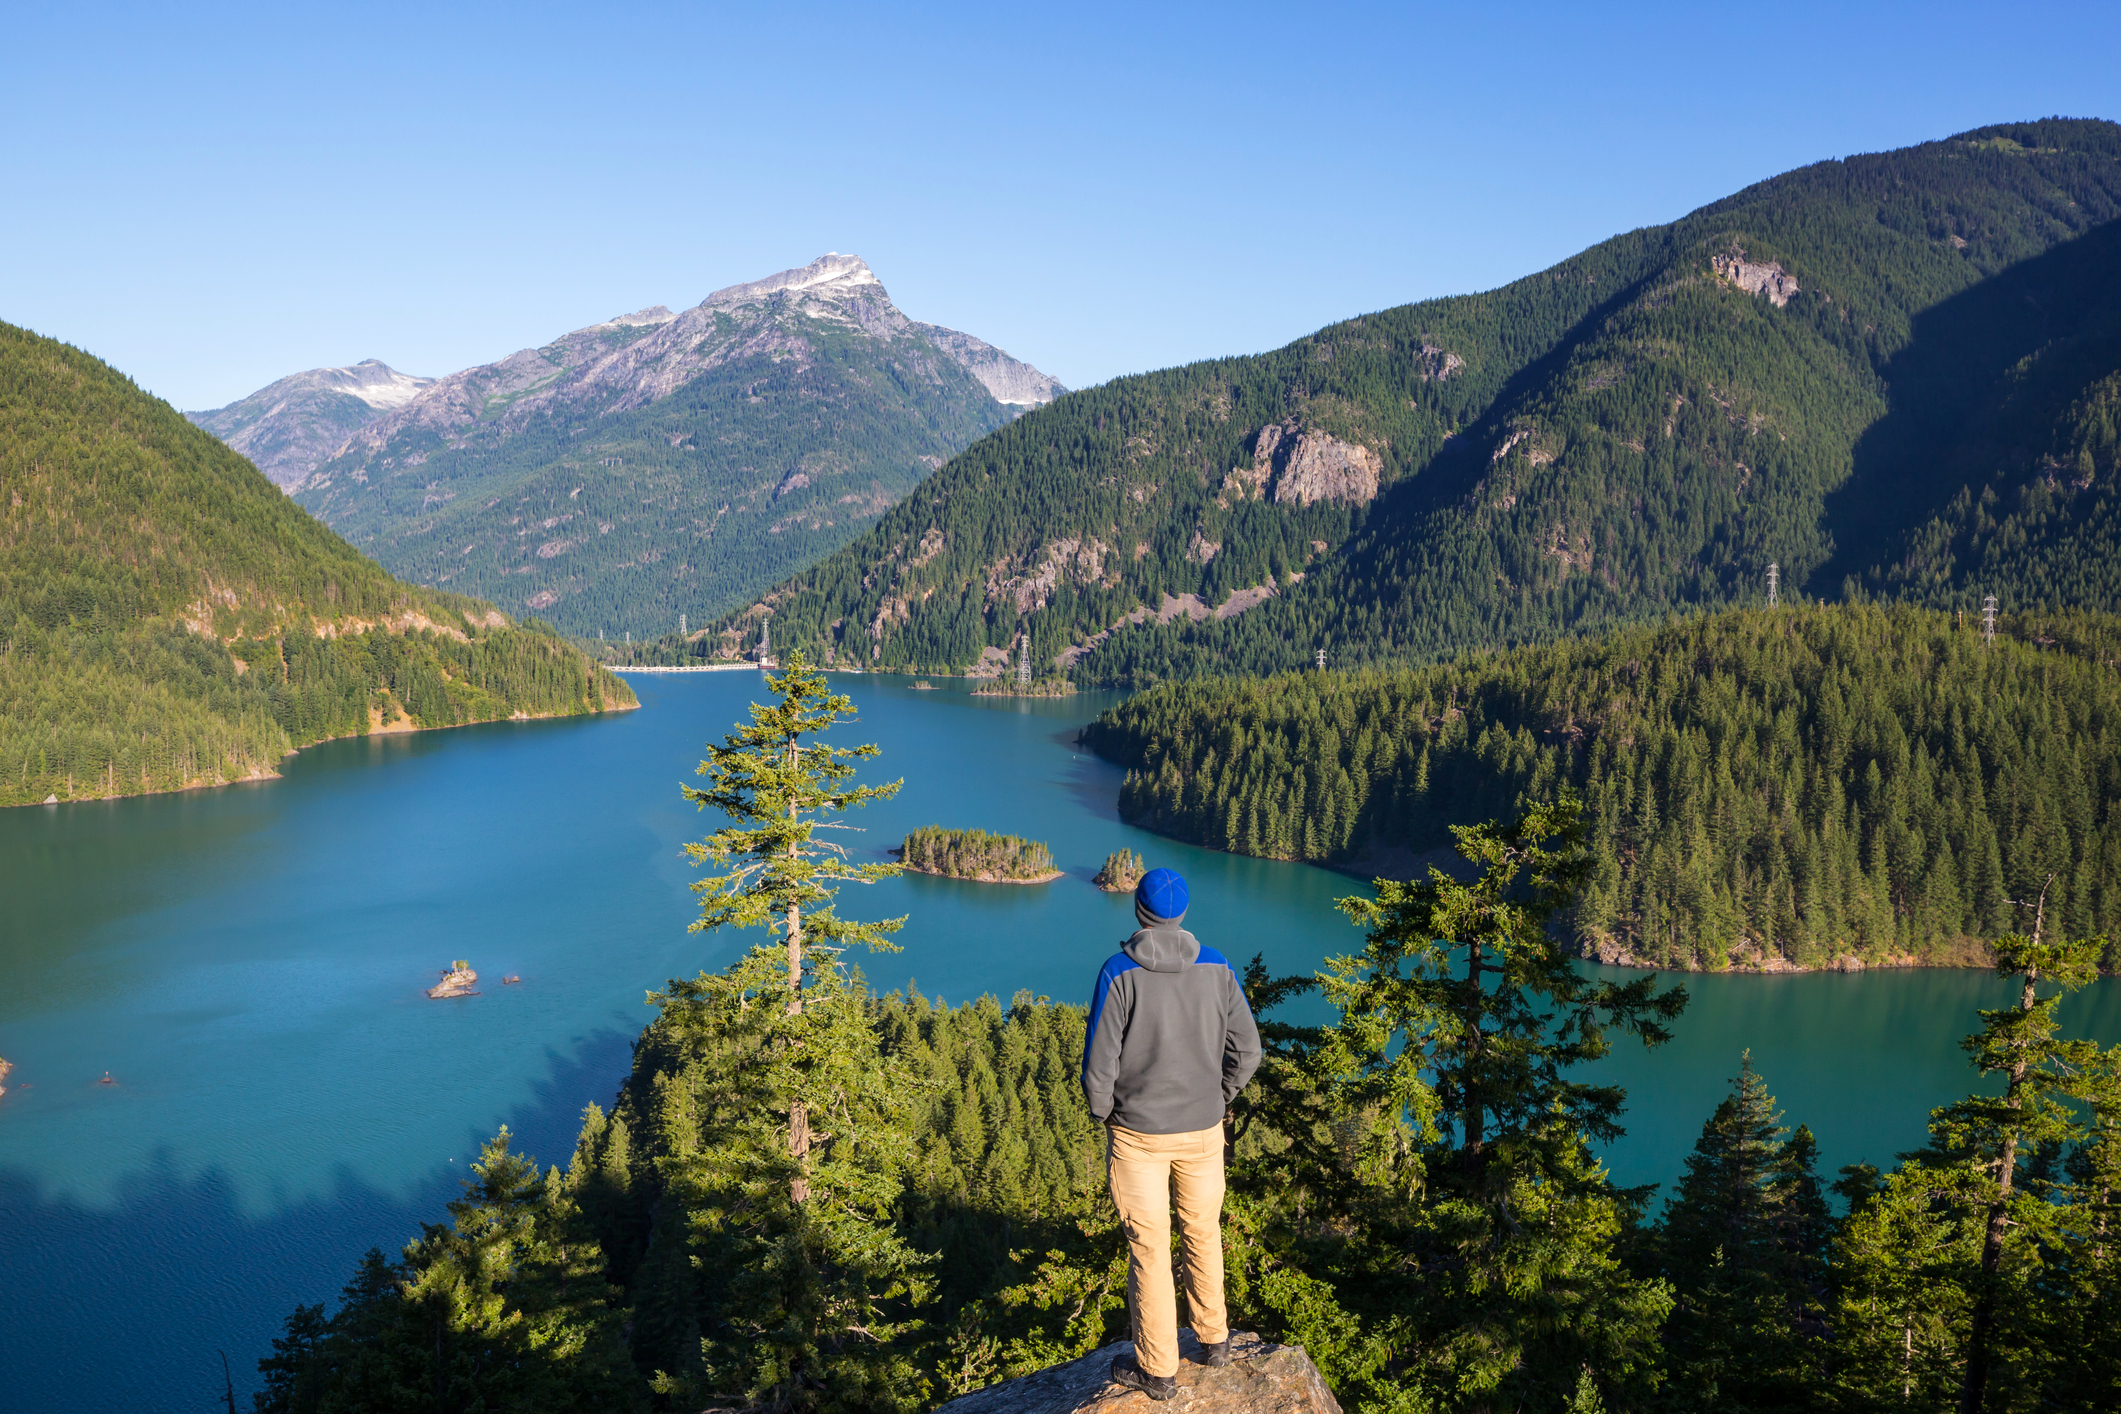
[
  {"x": 401, "y": 727},
  {"x": 982, "y": 878},
  {"x": 1402, "y": 865}
]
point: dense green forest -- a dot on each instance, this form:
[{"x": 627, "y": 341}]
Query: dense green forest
[
  {"x": 976, "y": 854},
  {"x": 1766, "y": 787},
  {"x": 168, "y": 618},
  {"x": 618, "y": 522},
  {"x": 957, "y": 1232},
  {"x": 1891, "y": 375}
]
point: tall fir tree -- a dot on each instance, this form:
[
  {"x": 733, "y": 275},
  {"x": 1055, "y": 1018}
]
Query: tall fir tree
[
  {"x": 1744, "y": 1245},
  {"x": 1417, "y": 1200},
  {"x": 1985, "y": 1139},
  {"x": 773, "y": 789},
  {"x": 785, "y": 1133}
]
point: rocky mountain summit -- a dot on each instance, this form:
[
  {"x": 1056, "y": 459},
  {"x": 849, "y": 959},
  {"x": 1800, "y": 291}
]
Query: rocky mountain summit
[
  {"x": 286, "y": 428},
  {"x": 1261, "y": 1378},
  {"x": 637, "y": 359},
  {"x": 661, "y": 464}
]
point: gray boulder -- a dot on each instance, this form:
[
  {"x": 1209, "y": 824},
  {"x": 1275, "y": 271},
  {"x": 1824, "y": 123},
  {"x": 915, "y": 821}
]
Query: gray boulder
[{"x": 1261, "y": 1378}]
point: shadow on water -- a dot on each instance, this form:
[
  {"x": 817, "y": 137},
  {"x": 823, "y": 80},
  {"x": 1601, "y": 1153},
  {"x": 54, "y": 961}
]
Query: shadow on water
[{"x": 215, "y": 1274}]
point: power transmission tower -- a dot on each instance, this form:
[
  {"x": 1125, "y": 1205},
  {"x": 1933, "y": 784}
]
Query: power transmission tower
[
  {"x": 1023, "y": 660},
  {"x": 1774, "y": 580},
  {"x": 1988, "y": 619},
  {"x": 681, "y": 625},
  {"x": 765, "y": 640},
  {"x": 1321, "y": 658}
]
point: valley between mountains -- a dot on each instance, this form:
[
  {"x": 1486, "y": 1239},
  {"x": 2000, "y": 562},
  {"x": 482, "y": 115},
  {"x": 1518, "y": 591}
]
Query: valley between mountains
[{"x": 1891, "y": 381}]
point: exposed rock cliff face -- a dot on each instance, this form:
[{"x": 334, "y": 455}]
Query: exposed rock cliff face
[
  {"x": 1013, "y": 382},
  {"x": 1261, "y": 1378},
  {"x": 1299, "y": 466},
  {"x": 1766, "y": 279}
]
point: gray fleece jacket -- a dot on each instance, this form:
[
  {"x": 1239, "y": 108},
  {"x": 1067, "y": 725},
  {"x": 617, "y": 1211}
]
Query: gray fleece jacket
[{"x": 1171, "y": 1038}]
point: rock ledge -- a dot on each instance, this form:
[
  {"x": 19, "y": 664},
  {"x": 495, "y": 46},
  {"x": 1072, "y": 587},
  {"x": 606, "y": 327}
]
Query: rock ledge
[{"x": 1261, "y": 1378}]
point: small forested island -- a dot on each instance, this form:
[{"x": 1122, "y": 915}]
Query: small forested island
[
  {"x": 5, "y": 1068},
  {"x": 1122, "y": 871},
  {"x": 458, "y": 981},
  {"x": 977, "y": 855}
]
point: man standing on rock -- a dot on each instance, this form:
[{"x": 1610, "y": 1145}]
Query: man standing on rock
[{"x": 1171, "y": 1042}]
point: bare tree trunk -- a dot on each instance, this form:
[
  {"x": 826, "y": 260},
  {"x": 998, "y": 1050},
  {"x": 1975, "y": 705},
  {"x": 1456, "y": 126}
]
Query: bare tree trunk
[
  {"x": 798, "y": 1114},
  {"x": 1974, "y": 1390},
  {"x": 1907, "y": 1358},
  {"x": 1476, "y": 1126}
]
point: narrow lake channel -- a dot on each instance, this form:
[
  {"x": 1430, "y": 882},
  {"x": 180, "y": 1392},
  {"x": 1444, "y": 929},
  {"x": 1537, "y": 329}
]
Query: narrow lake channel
[{"x": 247, "y": 964}]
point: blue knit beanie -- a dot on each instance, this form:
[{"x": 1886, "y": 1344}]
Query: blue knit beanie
[{"x": 1160, "y": 897}]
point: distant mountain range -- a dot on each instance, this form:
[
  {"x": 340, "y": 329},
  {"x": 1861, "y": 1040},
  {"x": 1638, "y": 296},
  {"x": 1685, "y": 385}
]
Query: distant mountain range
[
  {"x": 289, "y": 427},
  {"x": 168, "y": 618},
  {"x": 654, "y": 465},
  {"x": 1894, "y": 376}
]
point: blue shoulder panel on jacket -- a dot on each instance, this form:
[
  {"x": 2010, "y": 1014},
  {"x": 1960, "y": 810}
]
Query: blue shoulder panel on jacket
[
  {"x": 1116, "y": 964},
  {"x": 1209, "y": 957}
]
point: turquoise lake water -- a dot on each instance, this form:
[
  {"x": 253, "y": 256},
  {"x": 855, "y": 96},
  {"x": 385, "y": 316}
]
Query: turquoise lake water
[{"x": 247, "y": 965}]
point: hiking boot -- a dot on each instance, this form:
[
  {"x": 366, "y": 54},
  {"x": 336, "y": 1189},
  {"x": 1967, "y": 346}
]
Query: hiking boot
[
  {"x": 1217, "y": 1355},
  {"x": 1128, "y": 1372}
]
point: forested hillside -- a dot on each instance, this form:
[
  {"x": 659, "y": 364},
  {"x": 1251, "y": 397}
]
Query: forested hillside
[
  {"x": 1766, "y": 788},
  {"x": 168, "y": 618},
  {"x": 1891, "y": 375}
]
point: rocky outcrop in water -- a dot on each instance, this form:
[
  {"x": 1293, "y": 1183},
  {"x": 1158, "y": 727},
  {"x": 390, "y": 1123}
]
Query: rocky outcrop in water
[
  {"x": 457, "y": 982},
  {"x": 1261, "y": 1378}
]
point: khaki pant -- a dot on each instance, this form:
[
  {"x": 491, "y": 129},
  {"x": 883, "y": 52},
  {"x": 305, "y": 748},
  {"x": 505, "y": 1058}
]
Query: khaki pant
[{"x": 1146, "y": 1171}]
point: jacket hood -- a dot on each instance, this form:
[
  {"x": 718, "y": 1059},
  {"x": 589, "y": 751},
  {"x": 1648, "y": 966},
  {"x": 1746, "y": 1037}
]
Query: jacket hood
[{"x": 1165, "y": 949}]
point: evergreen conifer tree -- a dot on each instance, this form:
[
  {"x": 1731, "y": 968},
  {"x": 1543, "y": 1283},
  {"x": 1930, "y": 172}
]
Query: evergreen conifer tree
[
  {"x": 1422, "y": 1210},
  {"x": 1981, "y": 1141},
  {"x": 1743, "y": 1245},
  {"x": 784, "y": 1128},
  {"x": 772, "y": 789}
]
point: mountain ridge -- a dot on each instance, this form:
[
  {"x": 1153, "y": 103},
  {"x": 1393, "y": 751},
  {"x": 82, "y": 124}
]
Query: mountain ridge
[
  {"x": 1640, "y": 429},
  {"x": 292, "y": 423}
]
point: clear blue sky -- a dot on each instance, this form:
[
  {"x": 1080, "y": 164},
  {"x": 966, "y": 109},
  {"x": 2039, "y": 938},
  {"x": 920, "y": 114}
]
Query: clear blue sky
[{"x": 213, "y": 197}]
